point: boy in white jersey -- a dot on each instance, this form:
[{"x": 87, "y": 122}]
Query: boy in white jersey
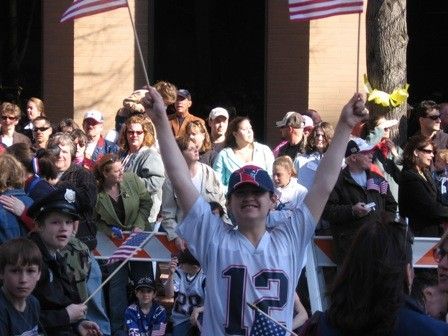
[
  {"x": 187, "y": 284},
  {"x": 251, "y": 264}
]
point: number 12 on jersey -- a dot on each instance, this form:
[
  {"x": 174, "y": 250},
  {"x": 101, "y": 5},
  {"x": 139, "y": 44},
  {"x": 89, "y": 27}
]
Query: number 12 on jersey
[{"x": 236, "y": 302}]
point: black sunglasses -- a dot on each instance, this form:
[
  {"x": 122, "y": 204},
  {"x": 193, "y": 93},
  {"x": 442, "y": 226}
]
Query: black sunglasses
[
  {"x": 433, "y": 117},
  {"x": 427, "y": 151},
  {"x": 40, "y": 129}
]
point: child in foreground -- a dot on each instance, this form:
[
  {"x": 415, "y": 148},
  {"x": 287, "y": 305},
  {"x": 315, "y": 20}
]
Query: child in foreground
[
  {"x": 250, "y": 264},
  {"x": 20, "y": 267},
  {"x": 61, "y": 313},
  {"x": 146, "y": 317}
]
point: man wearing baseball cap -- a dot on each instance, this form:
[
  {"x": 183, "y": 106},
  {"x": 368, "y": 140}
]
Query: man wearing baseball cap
[
  {"x": 182, "y": 116},
  {"x": 96, "y": 146},
  {"x": 291, "y": 127},
  {"x": 358, "y": 197},
  {"x": 218, "y": 120}
]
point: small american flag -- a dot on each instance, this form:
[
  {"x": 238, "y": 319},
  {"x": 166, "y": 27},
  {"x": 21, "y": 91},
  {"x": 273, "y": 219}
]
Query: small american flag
[
  {"x": 301, "y": 10},
  {"x": 131, "y": 245},
  {"x": 263, "y": 326},
  {"x": 159, "y": 330},
  {"x": 379, "y": 185},
  {"x": 80, "y": 8}
]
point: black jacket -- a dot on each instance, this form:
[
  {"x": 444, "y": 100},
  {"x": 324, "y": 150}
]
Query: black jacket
[
  {"x": 418, "y": 202},
  {"x": 338, "y": 210},
  {"x": 55, "y": 291}
]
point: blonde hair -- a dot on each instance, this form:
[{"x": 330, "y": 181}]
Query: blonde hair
[
  {"x": 286, "y": 162},
  {"x": 13, "y": 172},
  {"x": 39, "y": 105},
  {"x": 10, "y": 109}
]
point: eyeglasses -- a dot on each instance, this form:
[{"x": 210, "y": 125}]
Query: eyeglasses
[
  {"x": 135, "y": 132},
  {"x": 9, "y": 117},
  {"x": 439, "y": 253},
  {"x": 433, "y": 117},
  {"x": 427, "y": 151},
  {"x": 40, "y": 129}
]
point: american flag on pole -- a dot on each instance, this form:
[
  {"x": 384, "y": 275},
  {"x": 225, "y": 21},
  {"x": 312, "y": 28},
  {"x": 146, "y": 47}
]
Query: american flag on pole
[
  {"x": 377, "y": 184},
  {"x": 301, "y": 10},
  {"x": 81, "y": 8},
  {"x": 263, "y": 326},
  {"x": 131, "y": 245}
]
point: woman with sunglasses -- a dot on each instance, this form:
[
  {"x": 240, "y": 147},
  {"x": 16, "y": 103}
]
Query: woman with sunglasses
[
  {"x": 9, "y": 118},
  {"x": 139, "y": 155},
  {"x": 417, "y": 194}
]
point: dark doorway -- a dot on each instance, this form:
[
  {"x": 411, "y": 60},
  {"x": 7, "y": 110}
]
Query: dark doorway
[
  {"x": 20, "y": 50},
  {"x": 216, "y": 50},
  {"x": 428, "y": 50}
]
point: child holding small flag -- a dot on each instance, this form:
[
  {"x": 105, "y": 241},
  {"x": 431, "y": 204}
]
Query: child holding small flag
[{"x": 61, "y": 310}]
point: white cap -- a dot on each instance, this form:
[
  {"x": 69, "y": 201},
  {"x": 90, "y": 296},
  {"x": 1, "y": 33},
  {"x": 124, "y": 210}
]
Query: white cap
[
  {"x": 218, "y": 111},
  {"x": 95, "y": 115},
  {"x": 291, "y": 118},
  {"x": 308, "y": 121}
]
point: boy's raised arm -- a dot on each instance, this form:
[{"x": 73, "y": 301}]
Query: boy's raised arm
[
  {"x": 175, "y": 165},
  {"x": 330, "y": 166}
]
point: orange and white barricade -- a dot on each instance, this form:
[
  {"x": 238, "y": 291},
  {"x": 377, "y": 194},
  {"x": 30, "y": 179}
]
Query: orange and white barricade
[
  {"x": 320, "y": 255},
  {"x": 158, "y": 248}
]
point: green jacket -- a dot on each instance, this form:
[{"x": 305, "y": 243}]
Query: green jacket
[{"x": 137, "y": 206}]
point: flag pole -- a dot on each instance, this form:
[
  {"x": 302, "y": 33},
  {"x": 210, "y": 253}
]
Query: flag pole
[
  {"x": 138, "y": 45},
  {"x": 119, "y": 267},
  {"x": 357, "y": 53},
  {"x": 254, "y": 307}
]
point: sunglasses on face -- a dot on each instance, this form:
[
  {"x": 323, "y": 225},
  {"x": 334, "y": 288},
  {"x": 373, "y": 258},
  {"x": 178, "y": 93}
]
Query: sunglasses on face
[
  {"x": 40, "y": 129},
  {"x": 433, "y": 117},
  {"x": 427, "y": 151},
  {"x": 9, "y": 117},
  {"x": 135, "y": 132},
  {"x": 439, "y": 253}
]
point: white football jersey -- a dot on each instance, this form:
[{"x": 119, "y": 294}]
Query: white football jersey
[
  {"x": 238, "y": 273},
  {"x": 189, "y": 294}
]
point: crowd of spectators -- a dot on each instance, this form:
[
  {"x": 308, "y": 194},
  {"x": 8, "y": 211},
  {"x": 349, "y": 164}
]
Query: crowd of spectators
[{"x": 60, "y": 184}]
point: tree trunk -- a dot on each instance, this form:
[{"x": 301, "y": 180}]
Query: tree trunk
[{"x": 386, "y": 44}]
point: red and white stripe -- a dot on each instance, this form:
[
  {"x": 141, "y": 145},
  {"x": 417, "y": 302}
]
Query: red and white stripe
[
  {"x": 81, "y": 8},
  {"x": 161, "y": 329},
  {"x": 300, "y": 10}
]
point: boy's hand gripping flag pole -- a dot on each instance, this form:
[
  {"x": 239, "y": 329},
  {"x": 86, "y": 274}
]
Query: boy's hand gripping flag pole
[
  {"x": 134, "y": 243},
  {"x": 82, "y": 8}
]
